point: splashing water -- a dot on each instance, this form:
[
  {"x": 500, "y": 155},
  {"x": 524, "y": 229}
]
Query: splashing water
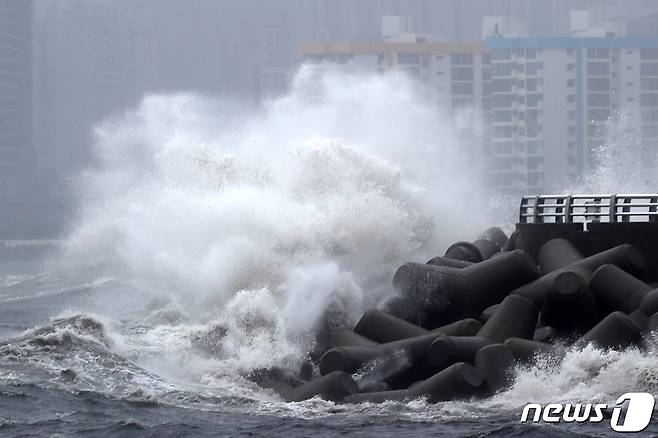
[
  {"x": 626, "y": 160},
  {"x": 267, "y": 218}
]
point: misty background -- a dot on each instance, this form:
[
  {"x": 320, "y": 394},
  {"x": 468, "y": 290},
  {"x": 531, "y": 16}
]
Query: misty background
[{"x": 66, "y": 65}]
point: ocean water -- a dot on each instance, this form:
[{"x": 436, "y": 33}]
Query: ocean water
[{"x": 212, "y": 241}]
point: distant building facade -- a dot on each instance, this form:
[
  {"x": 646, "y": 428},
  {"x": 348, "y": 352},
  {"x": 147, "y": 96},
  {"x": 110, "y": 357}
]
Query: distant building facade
[
  {"x": 541, "y": 103},
  {"x": 16, "y": 148},
  {"x": 551, "y": 98},
  {"x": 455, "y": 75},
  {"x": 93, "y": 60}
]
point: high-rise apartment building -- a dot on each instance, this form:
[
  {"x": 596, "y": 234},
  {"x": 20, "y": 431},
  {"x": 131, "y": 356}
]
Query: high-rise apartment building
[
  {"x": 455, "y": 76},
  {"x": 16, "y": 151},
  {"x": 551, "y": 99},
  {"x": 93, "y": 60},
  {"x": 542, "y": 104}
]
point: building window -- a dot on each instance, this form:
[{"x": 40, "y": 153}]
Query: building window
[
  {"x": 505, "y": 131},
  {"x": 598, "y": 84},
  {"x": 462, "y": 73},
  {"x": 598, "y": 115},
  {"x": 462, "y": 102},
  {"x": 649, "y": 100},
  {"x": 571, "y": 115},
  {"x": 502, "y": 116},
  {"x": 502, "y": 100},
  {"x": 502, "y": 85},
  {"x": 531, "y": 53},
  {"x": 571, "y": 83},
  {"x": 533, "y": 100},
  {"x": 571, "y": 130},
  {"x": 598, "y": 53},
  {"x": 534, "y": 163},
  {"x": 502, "y": 68},
  {"x": 461, "y": 59},
  {"x": 649, "y": 69},
  {"x": 531, "y": 84},
  {"x": 408, "y": 58},
  {"x": 571, "y": 98},
  {"x": 462, "y": 88},
  {"x": 649, "y": 83},
  {"x": 533, "y": 68},
  {"x": 649, "y": 53},
  {"x": 570, "y": 66},
  {"x": 501, "y": 54},
  {"x": 598, "y": 68},
  {"x": 598, "y": 99}
]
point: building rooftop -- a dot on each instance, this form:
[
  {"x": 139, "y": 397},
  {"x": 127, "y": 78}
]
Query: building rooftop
[{"x": 391, "y": 47}]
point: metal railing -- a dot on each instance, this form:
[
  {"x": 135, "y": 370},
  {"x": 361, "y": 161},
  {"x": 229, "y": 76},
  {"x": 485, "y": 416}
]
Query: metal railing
[{"x": 589, "y": 208}]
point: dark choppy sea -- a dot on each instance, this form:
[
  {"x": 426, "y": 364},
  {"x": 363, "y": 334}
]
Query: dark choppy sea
[{"x": 89, "y": 356}]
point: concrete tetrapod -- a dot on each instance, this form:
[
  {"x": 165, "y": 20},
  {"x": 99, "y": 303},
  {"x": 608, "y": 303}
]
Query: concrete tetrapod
[
  {"x": 448, "y": 350},
  {"x": 496, "y": 235},
  {"x": 383, "y": 327},
  {"x": 653, "y": 322},
  {"x": 460, "y": 380},
  {"x": 569, "y": 305},
  {"x": 407, "y": 352},
  {"x": 486, "y": 247},
  {"x": 495, "y": 364},
  {"x": 616, "y": 331},
  {"x": 444, "y": 294},
  {"x": 525, "y": 350},
  {"x": 347, "y": 337},
  {"x": 486, "y": 313},
  {"x": 464, "y": 251},
  {"x": 402, "y": 307},
  {"x": 512, "y": 241},
  {"x": 624, "y": 256},
  {"x": 515, "y": 317},
  {"x": 449, "y": 263},
  {"x": 545, "y": 333},
  {"x": 556, "y": 254},
  {"x": 333, "y": 386},
  {"x": 616, "y": 289}
]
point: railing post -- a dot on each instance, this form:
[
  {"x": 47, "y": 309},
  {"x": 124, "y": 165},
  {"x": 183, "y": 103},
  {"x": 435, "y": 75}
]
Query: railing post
[
  {"x": 522, "y": 210},
  {"x": 653, "y": 209},
  {"x": 567, "y": 209},
  {"x": 537, "y": 219},
  {"x": 626, "y": 201},
  {"x": 612, "y": 211}
]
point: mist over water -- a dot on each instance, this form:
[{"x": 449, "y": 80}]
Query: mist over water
[{"x": 625, "y": 162}]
